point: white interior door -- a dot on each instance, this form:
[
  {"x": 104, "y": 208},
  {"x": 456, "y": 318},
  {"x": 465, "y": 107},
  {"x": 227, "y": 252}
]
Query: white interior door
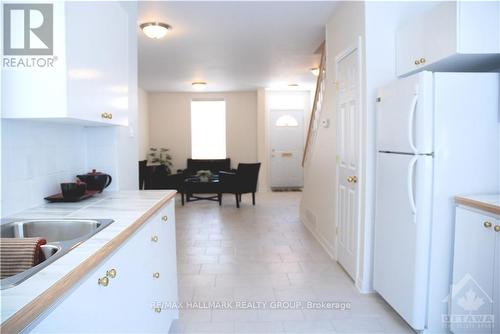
[
  {"x": 348, "y": 157},
  {"x": 287, "y": 145}
]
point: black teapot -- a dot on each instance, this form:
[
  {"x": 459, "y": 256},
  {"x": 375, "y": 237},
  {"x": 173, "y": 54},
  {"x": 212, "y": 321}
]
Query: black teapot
[{"x": 96, "y": 180}]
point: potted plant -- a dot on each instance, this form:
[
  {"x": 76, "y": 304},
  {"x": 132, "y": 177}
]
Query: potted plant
[{"x": 162, "y": 159}]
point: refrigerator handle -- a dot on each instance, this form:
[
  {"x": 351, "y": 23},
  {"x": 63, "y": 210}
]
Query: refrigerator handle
[
  {"x": 411, "y": 118},
  {"x": 411, "y": 198}
]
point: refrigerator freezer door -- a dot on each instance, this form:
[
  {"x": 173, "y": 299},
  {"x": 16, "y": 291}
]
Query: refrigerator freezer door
[
  {"x": 404, "y": 115},
  {"x": 402, "y": 233}
]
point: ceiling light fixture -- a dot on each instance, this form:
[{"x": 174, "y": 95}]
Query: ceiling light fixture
[
  {"x": 199, "y": 84},
  {"x": 293, "y": 85},
  {"x": 315, "y": 71},
  {"x": 155, "y": 30}
]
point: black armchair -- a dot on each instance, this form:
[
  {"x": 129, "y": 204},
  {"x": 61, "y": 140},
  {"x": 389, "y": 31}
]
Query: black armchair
[
  {"x": 244, "y": 181},
  {"x": 156, "y": 179}
]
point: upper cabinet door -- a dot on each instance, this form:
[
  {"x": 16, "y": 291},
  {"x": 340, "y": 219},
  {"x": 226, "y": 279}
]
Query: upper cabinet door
[
  {"x": 410, "y": 47},
  {"x": 452, "y": 36},
  {"x": 97, "y": 61},
  {"x": 87, "y": 81}
]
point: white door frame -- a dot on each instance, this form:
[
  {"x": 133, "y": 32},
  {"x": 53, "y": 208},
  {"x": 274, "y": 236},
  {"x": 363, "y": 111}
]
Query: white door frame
[{"x": 355, "y": 46}]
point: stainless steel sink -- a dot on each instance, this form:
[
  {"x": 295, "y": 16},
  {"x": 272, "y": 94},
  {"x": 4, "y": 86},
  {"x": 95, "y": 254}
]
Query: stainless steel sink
[{"x": 62, "y": 235}]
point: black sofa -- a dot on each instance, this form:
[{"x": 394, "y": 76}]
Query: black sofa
[{"x": 213, "y": 165}]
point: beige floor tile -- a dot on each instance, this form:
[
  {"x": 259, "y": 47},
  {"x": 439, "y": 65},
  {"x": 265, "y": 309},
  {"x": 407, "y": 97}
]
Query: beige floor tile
[
  {"x": 308, "y": 327},
  {"x": 258, "y": 327},
  {"x": 186, "y": 268},
  {"x": 213, "y": 294},
  {"x": 264, "y": 254},
  {"x": 208, "y": 327},
  {"x": 195, "y": 280},
  {"x": 358, "y": 325}
]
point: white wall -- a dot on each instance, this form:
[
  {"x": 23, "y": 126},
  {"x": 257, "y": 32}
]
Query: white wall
[
  {"x": 262, "y": 142},
  {"x": 143, "y": 124},
  {"x": 126, "y": 140},
  {"x": 319, "y": 196},
  {"x": 375, "y": 23},
  {"x": 170, "y": 127},
  {"x": 36, "y": 158}
]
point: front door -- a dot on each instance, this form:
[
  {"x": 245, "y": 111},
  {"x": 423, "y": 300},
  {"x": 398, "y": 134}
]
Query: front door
[
  {"x": 348, "y": 157},
  {"x": 287, "y": 145}
]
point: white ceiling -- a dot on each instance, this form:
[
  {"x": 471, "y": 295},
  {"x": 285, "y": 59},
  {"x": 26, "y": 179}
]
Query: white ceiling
[{"x": 231, "y": 45}]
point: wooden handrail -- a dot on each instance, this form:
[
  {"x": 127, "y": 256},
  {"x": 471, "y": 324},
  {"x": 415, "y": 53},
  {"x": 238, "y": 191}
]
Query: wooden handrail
[{"x": 315, "y": 103}]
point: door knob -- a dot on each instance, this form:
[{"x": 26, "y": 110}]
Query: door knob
[
  {"x": 103, "y": 281},
  {"x": 487, "y": 224},
  {"x": 156, "y": 275},
  {"x": 352, "y": 179},
  {"x": 164, "y": 218},
  {"x": 111, "y": 273},
  {"x": 154, "y": 238},
  {"x": 497, "y": 228}
]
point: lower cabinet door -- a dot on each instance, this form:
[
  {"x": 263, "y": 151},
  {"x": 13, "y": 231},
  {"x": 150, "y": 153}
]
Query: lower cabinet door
[
  {"x": 121, "y": 304},
  {"x": 496, "y": 287},
  {"x": 473, "y": 273},
  {"x": 163, "y": 269}
]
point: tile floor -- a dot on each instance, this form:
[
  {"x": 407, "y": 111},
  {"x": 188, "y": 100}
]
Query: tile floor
[{"x": 264, "y": 254}]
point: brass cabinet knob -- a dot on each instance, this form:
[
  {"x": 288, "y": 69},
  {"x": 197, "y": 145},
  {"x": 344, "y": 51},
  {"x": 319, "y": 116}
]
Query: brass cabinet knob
[
  {"x": 110, "y": 116},
  {"x": 111, "y": 273},
  {"x": 417, "y": 62},
  {"x": 352, "y": 179},
  {"x": 497, "y": 228},
  {"x": 156, "y": 275},
  {"x": 487, "y": 224},
  {"x": 422, "y": 60},
  {"x": 103, "y": 281},
  {"x": 157, "y": 309},
  {"x": 154, "y": 238},
  {"x": 104, "y": 115},
  {"x": 164, "y": 218}
]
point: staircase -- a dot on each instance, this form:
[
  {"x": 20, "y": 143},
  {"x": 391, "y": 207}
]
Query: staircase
[{"x": 317, "y": 105}]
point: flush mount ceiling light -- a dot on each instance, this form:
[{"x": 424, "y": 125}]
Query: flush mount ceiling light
[
  {"x": 315, "y": 71},
  {"x": 199, "y": 84},
  {"x": 155, "y": 30}
]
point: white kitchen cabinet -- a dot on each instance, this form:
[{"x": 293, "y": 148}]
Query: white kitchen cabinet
[
  {"x": 452, "y": 36},
  {"x": 475, "y": 269},
  {"x": 88, "y": 82},
  {"x": 131, "y": 302}
]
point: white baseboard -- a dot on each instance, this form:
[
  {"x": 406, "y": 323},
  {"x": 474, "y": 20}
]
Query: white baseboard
[{"x": 327, "y": 246}]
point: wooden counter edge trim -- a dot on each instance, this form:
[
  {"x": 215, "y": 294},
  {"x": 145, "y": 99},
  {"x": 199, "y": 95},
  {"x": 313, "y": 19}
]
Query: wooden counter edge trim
[
  {"x": 25, "y": 316},
  {"x": 491, "y": 208}
]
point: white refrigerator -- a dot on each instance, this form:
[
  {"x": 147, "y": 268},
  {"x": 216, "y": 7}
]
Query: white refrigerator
[{"x": 437, "y": 137}]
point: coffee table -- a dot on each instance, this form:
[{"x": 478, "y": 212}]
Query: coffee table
[{"x": 193, "y": 185}]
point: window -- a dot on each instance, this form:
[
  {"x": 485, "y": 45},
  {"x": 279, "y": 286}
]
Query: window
[
  {"x": 208, "y": 129},
  {"x": 287, "y": 121}
]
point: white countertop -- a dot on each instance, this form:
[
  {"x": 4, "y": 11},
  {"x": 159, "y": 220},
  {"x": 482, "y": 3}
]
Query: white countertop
[{"x": 124, "y": 207}]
